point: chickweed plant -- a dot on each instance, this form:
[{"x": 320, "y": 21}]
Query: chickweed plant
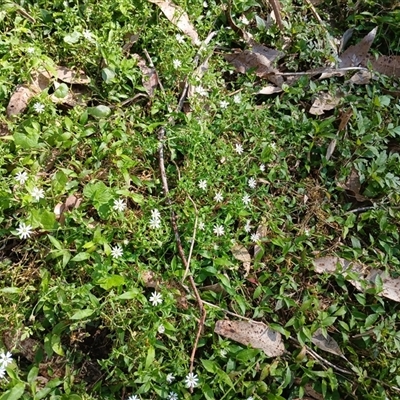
[{"x": 92, "y": 300}]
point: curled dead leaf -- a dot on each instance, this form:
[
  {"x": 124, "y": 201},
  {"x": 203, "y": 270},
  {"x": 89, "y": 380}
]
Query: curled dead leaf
[
  {"x": 324, "y": 102},
  {"x": 270, "y": 89},
  {"x": 150, "y": 78},
  {"x": 386, "y": 65},
  {"x": 326, "y": 343},
  {"x": 20, "y": 98},
  {"x": 257, "y": 335},
  {"x": 68, "y": 75}
]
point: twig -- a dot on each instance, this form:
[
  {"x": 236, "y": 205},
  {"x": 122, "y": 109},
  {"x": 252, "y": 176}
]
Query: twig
[
  {"x": 152, "y": 66},
  {"x": 161, "y": 137},
  {"x": 276, "y": 6},
  {"x": 359, "y": 210},
  {"x": 192, "y": 242},
  {"x": 25, "y": 14},
  {"x": 316, "y": 72}
]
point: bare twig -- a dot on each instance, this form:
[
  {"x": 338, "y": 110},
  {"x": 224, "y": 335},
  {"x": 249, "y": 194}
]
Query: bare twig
[
  {"x": 192, "y": 242},
  {"x": 276, "y": 6},
  {"x": 25, "y": 14}
]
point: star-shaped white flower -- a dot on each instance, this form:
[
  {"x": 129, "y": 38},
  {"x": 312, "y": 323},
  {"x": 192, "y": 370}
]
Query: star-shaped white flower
[
  {"x": 30, "y": 50},
  {"x": 239, "y": 148},
  {"x": 176, "y": 63},
  {"x": 247, "y": 227},
  {"x": 202, "y": 226},
  {"x": 237, "y": 99},
  {"x": 246, "y": 199},
  {"x": 224, "y": 104},
  {"x": 5, "y": 359},
  {"x": 116, "y": 251},
  {"x": 218, "y": 197},
  {"x": 179, "y": 38},
  {"x": 255, "y": 237},
  {"x": 262, "y": 167},
  {"x": 201, "y": 91},
  {"x": 133, "y": 397},
  {"x": 21, "y": 177},
  {"x": 170, "y": 378},
  {"x": 161, "y": 329},
  {"x": 172, "y": 396},
  {"x": 37, "y": 193},
  {"x": 24, "y": 231},
  {"x": 39, "y": 107},
  {"x": 88, "y": 35},
  {"x": 156, "y": 299},
  {"x": 191, "y": 380},
  {"x": 252, "y": 183},
  {"x": 119, "y": 205},
  {"x": 2, "y": 372},
  {"x": 203, "y": 184},
  {"x": 219, "y": 230}
]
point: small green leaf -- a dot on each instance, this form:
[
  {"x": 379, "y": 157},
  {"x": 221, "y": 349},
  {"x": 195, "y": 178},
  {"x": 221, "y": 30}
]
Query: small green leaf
[
  {"x": 99, "y": 111},
  {"x": 151, "y": 354},
  {"x": 107, "y": 74},
  {"x": 61, "y": 91},
  {"x": 33, "y": 373},
  {"x": 370, "y": 320},
  {"x": 209, "y": 365},
  {"x": 10, "y": 290},
  {"x": 111, "y": 281},
  {"x": 72, "y": 38},
  {"x": 131, "y": 294},
  {"x": 26, "y": 141},
  {"x": 15, "y": 393},
  {"x": 82, "y": 314},
  {"x": 81, "y": 257}
]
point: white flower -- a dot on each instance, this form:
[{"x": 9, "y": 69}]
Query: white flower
[
  {"x": 24, "y": 231},
  {"x": 2, "y": 372},
  {"x": 117, "y": 251},
  {"x": 238, "y": 148},
  {"x": 161, "y": 329},
  {"x": 38, "y": 107},
  {"x": 219, "y": 230},
  {"x": 224, "y": 104},
  {"x": 155, "y": 214},
  {"x": 119, "y": 205},
  {"x": 246, "y": 199},
  {"x": 30, "y": 50},
  {"x": 250, "y": 398},
  {"x": 218, "y": 197},
  {"x": 202, "y": 226},
  {"x": 88, "y": 35},
  {"x": 179, "y": 38},
  {"x": 191, "y": 380},
  {"x": 273, "y": 146},
  {"x": 155, "y": 220},
  {"x": 307, "y": 232},
  {"x": 21, "y": 177},
  {"x": 203, "y": 184},
  {"x": 37, "y": 193},
  {"x": 223, "y": 353},
  {"x": 133, "y": 397},
  {"x": 262, "y": 167},
  {"x": 201, "y": 91},
  {"x": 247, "y": 227},
  {"x": 176, "y": 63},
  {"x": 5, "y": 359},
  {"x": 156, "y": 299},
  {"x": 255, "y": 237},
  {"x": 172, "y": 396},
  {"x": 252, "y": 183},
  {"x": 170, "y": 378},
  {"x": 244, "y": 20},
  {"x": 237, "y": 99}
]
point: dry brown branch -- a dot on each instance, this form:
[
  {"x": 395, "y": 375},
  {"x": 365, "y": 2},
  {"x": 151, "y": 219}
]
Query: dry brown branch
[{"x": 276, "y": 6}]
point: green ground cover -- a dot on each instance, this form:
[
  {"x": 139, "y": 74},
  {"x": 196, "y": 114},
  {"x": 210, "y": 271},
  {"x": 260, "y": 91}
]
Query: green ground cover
[{"x": 94, "y": 304}]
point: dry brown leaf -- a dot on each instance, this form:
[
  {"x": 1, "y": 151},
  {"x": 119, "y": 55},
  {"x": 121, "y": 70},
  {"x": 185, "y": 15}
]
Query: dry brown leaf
[
  {"x": 331, "y": 148},
  {"x": 150, "y": 78},
  {"x": 386, "y": 65},
  {"x": 331, "y": 264},
  {"x": 75, "y": 96},
  {"x": 68, "y": 75},
  {"x": 257, "y": 335},
  {"x": 70, "y": 203},
  {"x": 270, "y": 89},
  {"x": 179, "y": 18},
  {"x": 216, "y": 288},
  {"x": 240, "y": 253},
  {"x": 19, "y": 99},
  {"x": 326, "y": 343},
  {"x": 41, "y": 79},
  {"x": 262, "y": 232},
  {"x": 261, "y": 59},
  {"x": 361, "y": 78},
  {"x": 353, "y": 186},
  {"x": 324, "y": 102},
  {"x": 131, "y": 39},
  {"x": 355, "y": 55}
]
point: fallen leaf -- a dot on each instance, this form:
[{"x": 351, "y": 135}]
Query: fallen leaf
[
  {"x": 73, "y": 96},
  {"x": 353, "y": 186},
  {"x": 270, "y": 89},
  {"x": 240, "y": 253},
  {"x": 355, "y": 55},
  {"x": 150, "y": 78},
  {"x": 332, "y": 264},
  {"x": 361, "y": 78},
  {"x": 131, "y": 39},
  {"x": 331, "y": 148},
  {"x": 68, "y": 75},
  {"x": 70, "y": 203},
  {"x": 19, "y": 99},
  {"x": 326, "y": 343},
  {"x": 216, "y": 288},
  {"x": 386, "y": 65},
  {"x": 179, "y": 18},
  {"x": 257, "y": 335},
  {"x": 324, "y": 102},
  {"x": 260, "y": 58},
  {"x": 262, "y": 232}
]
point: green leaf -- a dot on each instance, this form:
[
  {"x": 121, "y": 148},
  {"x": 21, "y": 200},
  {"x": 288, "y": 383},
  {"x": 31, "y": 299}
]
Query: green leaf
[
  {"x": 151, "y": 354},
  {"x": 57, "y": 244},
  {"x": 33, "y": 373},
  {"x": 209, "y": 365},
  {"x": 107, "y": 74},
  {"x": 61, "y": 91},
  {"x": 131, "y": 294},
  {"x": 81, "y": 257},
  {"x": 82, "y": 314},
  {"x": 26, "y": 142},
  {"x": 98, "y": 192},
  {"x": 56, "y": 345},
  {"x": 370, "y": 320},
  {"x": 10, "y": 290},
  {"x": 15, "y": 393},
  {"x": 99, "y": 111},
  {"x": 111, "y": 281},
  {"x": 72, "y": 38}
]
